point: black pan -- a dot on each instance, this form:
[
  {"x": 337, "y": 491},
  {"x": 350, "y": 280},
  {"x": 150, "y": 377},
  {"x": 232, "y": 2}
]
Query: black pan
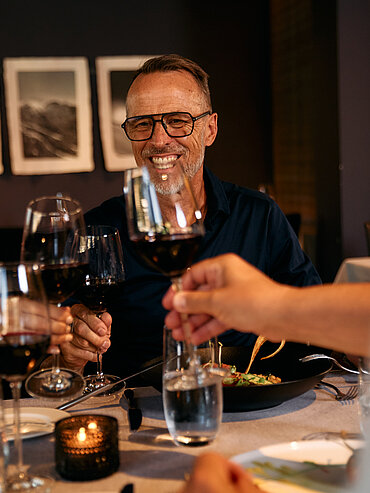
[{"x": 296, "y": 377}]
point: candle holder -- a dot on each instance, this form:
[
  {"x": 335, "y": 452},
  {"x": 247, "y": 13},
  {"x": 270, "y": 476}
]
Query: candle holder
[{"x": 86, "y": 447}]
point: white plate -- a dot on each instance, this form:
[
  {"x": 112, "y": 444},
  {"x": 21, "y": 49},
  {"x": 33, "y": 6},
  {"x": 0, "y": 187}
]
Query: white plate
[
  {"x": 288, "y": 468},
  {"x": 35, "y": 421}
]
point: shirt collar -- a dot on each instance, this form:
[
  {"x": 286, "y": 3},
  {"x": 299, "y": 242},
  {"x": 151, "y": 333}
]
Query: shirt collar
[{"x": 217, "y": 200}]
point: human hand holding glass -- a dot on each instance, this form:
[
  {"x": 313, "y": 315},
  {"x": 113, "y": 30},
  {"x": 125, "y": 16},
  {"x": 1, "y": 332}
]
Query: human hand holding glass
[
  {"x": 24, "y": 337},
  {"x": 102, "y": 283},
  {"x": 53, "y": 225},
  {"x": 166, "y": 233}
]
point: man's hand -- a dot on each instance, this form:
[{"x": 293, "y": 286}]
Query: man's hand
[{"x": 90, "y": 335}]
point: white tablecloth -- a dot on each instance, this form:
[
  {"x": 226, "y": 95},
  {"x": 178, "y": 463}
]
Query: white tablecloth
[
  {"x": 354, "y": 270},
  {"x": 150, "y": 460}
]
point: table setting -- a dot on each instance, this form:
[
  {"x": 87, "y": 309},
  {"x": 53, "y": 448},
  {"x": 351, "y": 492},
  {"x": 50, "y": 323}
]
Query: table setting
[
  {"x": 151, "y": 461},
  {"x": 100, "y": 434}
]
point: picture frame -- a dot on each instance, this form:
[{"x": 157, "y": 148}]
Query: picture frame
[
  {"x": 48, "y": 102},
  {"x": 113, "y": 77}
]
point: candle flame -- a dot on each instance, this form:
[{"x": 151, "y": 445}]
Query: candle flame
[
  {"x": 81, "y": 435},
  {"x": 92, "y": 425}
]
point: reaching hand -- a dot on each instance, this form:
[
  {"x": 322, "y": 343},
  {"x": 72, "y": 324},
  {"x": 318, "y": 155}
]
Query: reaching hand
[
  {"x": 213, "y": 473},
  {"x": 222, "y": 293}
]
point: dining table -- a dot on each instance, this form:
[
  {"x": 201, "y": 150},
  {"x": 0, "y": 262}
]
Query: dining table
[
  {"x": 354, "y": 269},
  {"x": 151, "y": 462}
]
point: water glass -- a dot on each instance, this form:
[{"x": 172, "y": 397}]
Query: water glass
[
  {"x": 4, "y": 447},
  {"x": 364, "y": 396},
  {"x": 192, "y": 397}
]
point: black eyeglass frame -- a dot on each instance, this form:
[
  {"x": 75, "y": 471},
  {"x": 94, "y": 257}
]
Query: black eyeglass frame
[{"x": 162, "y": 115}]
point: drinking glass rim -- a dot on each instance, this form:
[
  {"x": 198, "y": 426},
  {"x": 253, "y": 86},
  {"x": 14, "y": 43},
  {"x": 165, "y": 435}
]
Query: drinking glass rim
[{"x": 67, "y": 198}]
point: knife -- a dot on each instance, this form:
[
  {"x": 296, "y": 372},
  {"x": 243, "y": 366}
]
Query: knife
[
  {"x": 112, "y": 387},
  {"x": 134, "y": 413}
]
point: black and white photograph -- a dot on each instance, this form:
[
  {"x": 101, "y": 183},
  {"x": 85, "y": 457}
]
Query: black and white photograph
[
  {"x": 113, "y": 75},
  {"x": 49, "y": 115}
]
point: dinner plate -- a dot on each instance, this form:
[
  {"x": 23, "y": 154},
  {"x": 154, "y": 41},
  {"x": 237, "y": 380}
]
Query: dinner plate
[
  {"x": 302, "y": 466},
  {"x": 35, "y": 421}
]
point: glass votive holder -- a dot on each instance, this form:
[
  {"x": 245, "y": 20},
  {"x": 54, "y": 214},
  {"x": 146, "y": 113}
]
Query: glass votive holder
[{"x": 86, "y": 447}]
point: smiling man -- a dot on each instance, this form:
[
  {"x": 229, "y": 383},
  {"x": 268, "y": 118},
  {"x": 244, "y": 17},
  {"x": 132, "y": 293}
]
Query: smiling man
[{"x": 169, "y": 122}]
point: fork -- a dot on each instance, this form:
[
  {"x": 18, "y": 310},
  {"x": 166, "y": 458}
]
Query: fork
[
  {"x": 312, "y": 357},
  {"x": 352, "y": 392}
]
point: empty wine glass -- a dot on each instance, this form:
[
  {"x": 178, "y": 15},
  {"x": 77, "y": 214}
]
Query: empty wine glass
[
  {"x": 53, "y": 225},
  {"x": 24, "y": 338},
  {"x": 102, "y": 283}
]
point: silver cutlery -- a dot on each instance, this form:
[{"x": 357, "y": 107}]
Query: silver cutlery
[
  {"x": 112, "y": 388},
  {"x": 312, "y": 357},
  {"x": 351, "y": 393},
  {"x": 343, "y": 436},
  {"x": 327, "y": 435}
]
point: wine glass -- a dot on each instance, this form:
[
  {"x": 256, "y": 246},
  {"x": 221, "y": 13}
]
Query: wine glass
[
  {"x": 166, "y": 233},
  {"x": 193, "y": 410},
  {"x": 166, "y": 228},
  {"x": 4, "y": 446},
  {"x": 102, "y": 283},
  {"x": 53, "y": 225},
  {"x": 24, "y": 337}
]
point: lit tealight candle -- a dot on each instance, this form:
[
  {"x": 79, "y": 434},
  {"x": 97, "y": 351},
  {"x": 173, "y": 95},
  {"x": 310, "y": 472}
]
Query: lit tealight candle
[{"x": 86, "y": 447}]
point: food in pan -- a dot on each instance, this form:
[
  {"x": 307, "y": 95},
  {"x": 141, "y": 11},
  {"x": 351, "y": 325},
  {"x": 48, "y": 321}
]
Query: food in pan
[
  {"x": 245, "y": 379},
  {"x": 239, "y": 379}
]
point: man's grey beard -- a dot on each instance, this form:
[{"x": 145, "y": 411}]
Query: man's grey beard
[{"x": 164, "y": 187}]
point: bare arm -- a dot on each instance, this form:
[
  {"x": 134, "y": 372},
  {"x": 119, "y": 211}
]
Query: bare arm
[{"x": 227, "y": 293}]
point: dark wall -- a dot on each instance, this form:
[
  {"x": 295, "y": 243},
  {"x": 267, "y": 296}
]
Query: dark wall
[
  {"x": 354, "y": 106},
  {"x": 232, "y": 44}
]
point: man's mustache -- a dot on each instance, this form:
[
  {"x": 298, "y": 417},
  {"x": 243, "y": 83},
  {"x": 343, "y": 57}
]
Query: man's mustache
[{"x": 154, "y": 150}]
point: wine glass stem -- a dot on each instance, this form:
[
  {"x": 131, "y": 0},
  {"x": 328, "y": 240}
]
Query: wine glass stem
[
  {"x": 55, "y": 369},
  {"x": 55, "y": 364},
  {"x": 16, "y": 393},
  {"x": 99, "y": 365},
  {"x": 177, "y": 283},
  {"x": 4, "y": 449}
]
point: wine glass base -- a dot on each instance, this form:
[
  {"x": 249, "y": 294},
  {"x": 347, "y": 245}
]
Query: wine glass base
[
  {"x": 68, "y": 383},
  {"x": 95, "y": 382},
  {"x": 23, "y": 482}
]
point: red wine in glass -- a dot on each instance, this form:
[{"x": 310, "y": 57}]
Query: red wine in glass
[
  {"x": 52, "y": 228},
  {"x": 20, "y": 352},
  {"x": 62, "y": 280},
  {"x": 102, "y": 284},
  {"x": 96, "y": 294},
  {"x": 170, "y": 254},
  {"x": 25, "y": 331},
  {"x": 164, "y": 223}
]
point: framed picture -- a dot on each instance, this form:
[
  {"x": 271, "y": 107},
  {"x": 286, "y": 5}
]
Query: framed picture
[
  {"x": 49, "y": 115},
  {"x": 113, "y": 76}
]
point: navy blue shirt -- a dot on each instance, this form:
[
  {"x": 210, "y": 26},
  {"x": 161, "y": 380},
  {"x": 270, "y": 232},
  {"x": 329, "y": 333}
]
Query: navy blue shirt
[{"x": 238, "y": 220}]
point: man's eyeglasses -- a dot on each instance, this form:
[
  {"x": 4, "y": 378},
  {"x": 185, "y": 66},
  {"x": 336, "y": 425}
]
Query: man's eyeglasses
[{"x": 175, "y": 124}]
